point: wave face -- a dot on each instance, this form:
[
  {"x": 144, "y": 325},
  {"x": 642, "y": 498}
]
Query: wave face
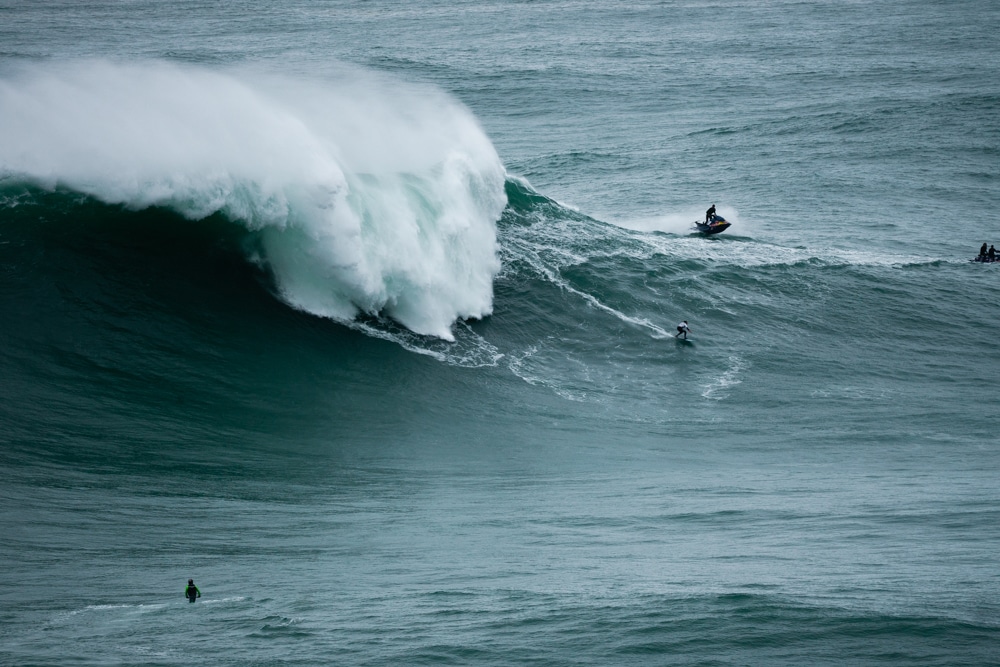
[{"x": 363, "y": 194}]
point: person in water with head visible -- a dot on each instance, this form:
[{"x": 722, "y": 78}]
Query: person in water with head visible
[
  {"x": 192, "y": 591},
  {"x": 982, "y": 250},
  {"x": 683, "y": 328},
  {"x": 709, "y": 214}
]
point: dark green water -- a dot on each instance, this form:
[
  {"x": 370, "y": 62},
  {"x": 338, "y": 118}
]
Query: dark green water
[{"x": 234, "y": 243}]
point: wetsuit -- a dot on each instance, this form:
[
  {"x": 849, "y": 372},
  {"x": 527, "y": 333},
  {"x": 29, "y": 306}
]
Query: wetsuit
[
  {"x": 682, "y": 328},
  {"x": 982, "y": 251},
  {"x": 992, "y": 254},
  {"x": 192, "y": 592},
  {"x": 709, "y": 214}
]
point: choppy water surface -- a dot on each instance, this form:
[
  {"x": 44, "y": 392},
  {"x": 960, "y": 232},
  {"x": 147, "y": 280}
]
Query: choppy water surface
[{"x": 363, "y": 315}]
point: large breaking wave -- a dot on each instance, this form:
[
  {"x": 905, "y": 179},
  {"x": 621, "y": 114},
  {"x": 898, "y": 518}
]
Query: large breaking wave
[{"x": 366, "y": 194}]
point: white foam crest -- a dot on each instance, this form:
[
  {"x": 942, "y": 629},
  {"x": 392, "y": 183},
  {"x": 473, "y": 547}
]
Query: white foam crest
[{"x": 369, "y": 195}]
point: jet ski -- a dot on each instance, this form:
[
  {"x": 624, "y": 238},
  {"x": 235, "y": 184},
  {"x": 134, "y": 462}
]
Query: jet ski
[
  {"x": 715, "y": 225},
  {"x": 986, "y": 259}
]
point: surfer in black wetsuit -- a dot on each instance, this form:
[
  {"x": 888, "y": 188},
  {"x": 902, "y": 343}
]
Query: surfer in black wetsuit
[
  {"x": 192, "y": 591},
  {"x": 709, "y": 214},
  {"x": 683, "y": 328}
]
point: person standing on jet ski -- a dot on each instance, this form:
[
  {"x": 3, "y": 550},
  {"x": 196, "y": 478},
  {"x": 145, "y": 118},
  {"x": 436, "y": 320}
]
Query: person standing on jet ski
[
  {"x": 709, "y": 214},
  {"x": 982, "y": 251}
]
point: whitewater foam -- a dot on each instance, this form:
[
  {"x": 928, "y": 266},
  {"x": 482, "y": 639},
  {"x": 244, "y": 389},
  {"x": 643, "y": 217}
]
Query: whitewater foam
[
  {"x": 718, "y": 388},
  {"x": 676, "y": 222},
  {"x": 366, "y": 194},
  {"x": 467, "y": 349}
]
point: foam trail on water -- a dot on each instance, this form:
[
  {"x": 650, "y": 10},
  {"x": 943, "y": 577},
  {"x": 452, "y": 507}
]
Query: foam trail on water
[
  {"x": 367, "y": 194},
  {"x": 678, "y": 222}
]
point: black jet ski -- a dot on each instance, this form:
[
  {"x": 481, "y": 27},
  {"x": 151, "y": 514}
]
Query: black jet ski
[
  {"x": 715, "y": 225},
  {"x": 986, "y": 259}
]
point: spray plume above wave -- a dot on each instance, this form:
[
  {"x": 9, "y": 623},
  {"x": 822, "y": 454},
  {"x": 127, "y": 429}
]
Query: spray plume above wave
[{"x": 366, "y": 194}]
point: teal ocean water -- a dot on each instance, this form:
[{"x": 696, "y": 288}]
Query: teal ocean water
[{"x": 361, "y": 315}]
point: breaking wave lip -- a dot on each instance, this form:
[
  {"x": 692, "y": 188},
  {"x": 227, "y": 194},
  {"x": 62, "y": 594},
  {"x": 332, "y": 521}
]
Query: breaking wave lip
[{"x": 367, "y": 195}]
